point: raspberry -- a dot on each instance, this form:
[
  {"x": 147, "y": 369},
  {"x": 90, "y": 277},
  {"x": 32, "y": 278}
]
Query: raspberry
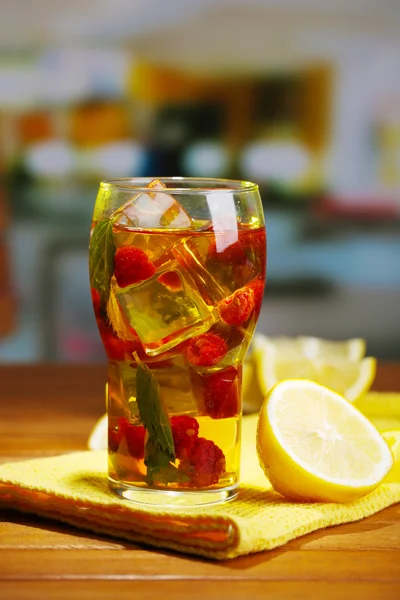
[
  {"x": 115, "y": 348},
  {"x": 206, "y": 350},
  {"x": 257, "y": 286},
  {"x": 221, "y": 394},
  {"x": 171, "y": 280},
  {"x": 96, "y": 300},
  {"x": 237, "y": 308},
  {"x": 185, "y": 431},
  {"x": 116, "y": 433},
  {"x": 134, "y": 436},
  {"x": 205, "y": 464},
  {"x": 132, "y": 265}
]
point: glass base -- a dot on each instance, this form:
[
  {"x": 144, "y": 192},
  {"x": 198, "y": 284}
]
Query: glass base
[{"x": 170, "y": 499}]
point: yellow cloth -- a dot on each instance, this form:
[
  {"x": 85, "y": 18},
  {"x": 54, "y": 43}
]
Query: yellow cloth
[{"x": 73, "y": 488}]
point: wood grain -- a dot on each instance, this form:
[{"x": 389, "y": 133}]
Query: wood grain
[
  {"x": 183, "y": 590},
  {"x": 48, "y": 409},
  {"x": 285, "y": 565}
]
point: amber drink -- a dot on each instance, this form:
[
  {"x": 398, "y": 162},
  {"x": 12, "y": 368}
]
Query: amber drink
[{"x": 177, "y": 270}]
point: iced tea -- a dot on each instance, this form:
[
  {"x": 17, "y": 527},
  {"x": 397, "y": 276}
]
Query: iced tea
[{"x": 176, "y": 318}]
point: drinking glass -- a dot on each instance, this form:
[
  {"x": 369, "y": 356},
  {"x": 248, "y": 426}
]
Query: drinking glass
[{"x": 177, "y": 272}]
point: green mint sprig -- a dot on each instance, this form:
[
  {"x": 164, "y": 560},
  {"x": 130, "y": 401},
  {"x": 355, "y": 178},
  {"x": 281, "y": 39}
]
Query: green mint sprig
[
  {"x": 160, "y": 449},
  {"x": 101, "y": 259}
]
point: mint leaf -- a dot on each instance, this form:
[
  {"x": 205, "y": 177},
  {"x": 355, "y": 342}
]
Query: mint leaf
[
  {"x": 152, "y": 411},
  {"x": 160, "y": 449},
  {"x": 101, "y": 259},
  {"x": 159, "y": 466}
]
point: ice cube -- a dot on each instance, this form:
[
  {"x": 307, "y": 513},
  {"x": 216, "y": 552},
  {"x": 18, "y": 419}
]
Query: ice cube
[
  {"x": 162, "y": 315},
  {"x": 189, "y": 260},
  {"x": 154, "y": 210},
  {"x": 176, "y": 390},
  {"x": 154, "y": 244}
]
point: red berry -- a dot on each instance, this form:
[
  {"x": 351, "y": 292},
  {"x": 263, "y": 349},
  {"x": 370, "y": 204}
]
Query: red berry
[
  {"x": 257, "y": 286},
  {"x": 206, "y": 350},
  {"x": 185, "y": 431},
  {"x": 132, "y": 265},
  {"x": 171, "y": 280},
  {"x": 116, "y": 433},
  {"x": 221, "y": 393},
  {"x": 115, "y": 348},
  {"x": 237, "y": 308},
  {"x": 205, "y": 464},
  {"x": 96, "y": 300},
  {"x": 134, "y": 436}
]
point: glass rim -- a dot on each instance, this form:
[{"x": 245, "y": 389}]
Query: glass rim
[{"x": 200, "y": 187}]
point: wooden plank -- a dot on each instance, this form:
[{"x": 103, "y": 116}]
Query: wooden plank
[
  {"x": 387, "y": 378},
  {"x": 380, "y": 532},
  {"x": 47, "y": 409},
  {"x": 24, "y": 564},
  {"x": 182, "y": 590},
  {"x": 27, "y": 446},
  {"x": 18, "y": 531},
  {"x": 357, "y": 537},
  {"x": 39, "y": 382},
  {"x": 46, "y": 424}
]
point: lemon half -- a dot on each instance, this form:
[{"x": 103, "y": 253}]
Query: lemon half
[
  {"x": 314, "y": 445},
  {"x": 393, "y": 439},
  {"x": 98, "y": 439},
  {"x": 322, "y": 361}
]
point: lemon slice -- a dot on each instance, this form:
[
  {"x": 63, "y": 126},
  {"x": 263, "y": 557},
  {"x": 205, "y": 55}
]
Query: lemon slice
[
  {"x": 313, "y": 347},
  {"x": 351, "y": 378},
  {"x": 314, "y": 445},
  {"x": 98, "y": 438},
  {"x": 382, "y": 408},
  {"x": 251, "y": 393},
  {"x": 247, "y": 375},
  {"x": 393, "y": 439}
]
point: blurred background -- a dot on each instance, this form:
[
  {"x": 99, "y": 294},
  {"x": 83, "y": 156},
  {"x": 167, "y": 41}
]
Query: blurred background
[{"x": 301, "y": 96}]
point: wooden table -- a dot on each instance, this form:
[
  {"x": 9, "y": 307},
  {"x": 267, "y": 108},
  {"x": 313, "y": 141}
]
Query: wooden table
[{"x": 49, "y": 409}]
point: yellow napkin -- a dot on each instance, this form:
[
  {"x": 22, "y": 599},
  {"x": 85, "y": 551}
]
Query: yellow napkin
[{"x": 73, "y": 488}]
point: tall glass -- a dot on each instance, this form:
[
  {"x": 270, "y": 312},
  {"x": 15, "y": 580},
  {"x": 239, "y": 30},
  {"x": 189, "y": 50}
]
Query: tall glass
[{"x": 177, "y": 270}]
